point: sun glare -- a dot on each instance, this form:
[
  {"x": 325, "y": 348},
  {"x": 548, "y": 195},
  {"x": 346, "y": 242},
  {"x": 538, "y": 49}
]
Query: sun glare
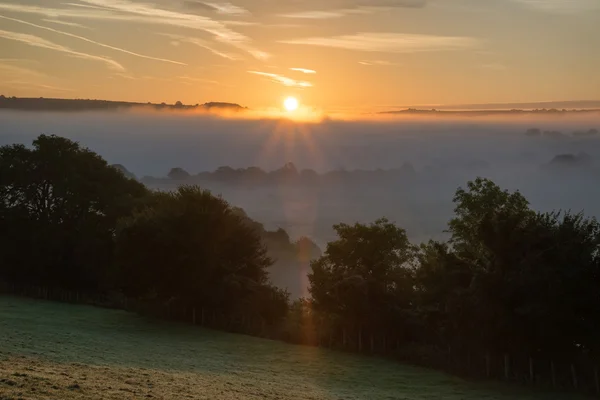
[{"x": 290, "y": 104}]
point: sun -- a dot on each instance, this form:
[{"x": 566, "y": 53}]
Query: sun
[{"x": 290, "y": 104}]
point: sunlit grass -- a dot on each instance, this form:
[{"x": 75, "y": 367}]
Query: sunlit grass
[{"x": 58, "y": 351}]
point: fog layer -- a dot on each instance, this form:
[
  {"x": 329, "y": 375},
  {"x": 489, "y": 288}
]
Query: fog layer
[{"x": 445, "y": 154}]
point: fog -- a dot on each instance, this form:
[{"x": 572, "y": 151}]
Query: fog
[{"x": 445, "y": 152}]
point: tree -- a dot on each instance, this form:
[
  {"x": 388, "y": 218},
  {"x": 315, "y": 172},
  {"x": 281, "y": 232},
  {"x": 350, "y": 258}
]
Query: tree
[
  {"x": 529, "y": 279},
  {"x": 195, "y": 247},
  {"x": 60, "y": 202},
  {"x": 364, "y": 278},
  {"x": 178, "y": 174}
]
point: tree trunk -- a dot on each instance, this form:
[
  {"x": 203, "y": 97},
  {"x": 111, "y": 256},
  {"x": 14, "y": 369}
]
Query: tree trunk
[
  {"x": 488, "y": 365},
  {"x": 574, "y": 376},
  {"x": 372, "y": 344},
  {"x": 194, "y": 315},
  {"x": 360, "y": 338},
  {"x": 506, "y": 366},
  {"x": 531, "y": 372},
  {"x": 553, "y": 371}
]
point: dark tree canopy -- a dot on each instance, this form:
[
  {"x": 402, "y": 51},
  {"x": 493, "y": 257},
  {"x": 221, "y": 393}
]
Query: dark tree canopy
[
  {"x": 368, "y": 268},
  {"x": 178, "y": 174},
  {"x": 194, "y": 246},
  {"x": 60, "y": 202}
]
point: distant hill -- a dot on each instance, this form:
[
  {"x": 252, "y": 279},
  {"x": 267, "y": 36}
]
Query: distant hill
[
  {"x": 569, "y": 104},
  {"x": 45, "y": 104},
  {"x": 288, "y": 174},
  {"x": 474, "y": 113}
]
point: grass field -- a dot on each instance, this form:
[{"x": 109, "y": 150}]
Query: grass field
[{"x": 58, "y": 351}]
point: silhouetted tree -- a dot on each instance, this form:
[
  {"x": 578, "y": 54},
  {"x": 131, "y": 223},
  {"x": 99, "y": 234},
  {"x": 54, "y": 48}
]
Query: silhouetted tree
[
  {"x": 364, "y": 278},
  {"x": 178, "y": 174},
  {"x": 60, "y": 202},
  {"x": 193, "y": 246}
]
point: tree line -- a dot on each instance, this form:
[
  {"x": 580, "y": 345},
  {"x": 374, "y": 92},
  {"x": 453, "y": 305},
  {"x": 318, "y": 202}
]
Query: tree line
[
  {"x": 287, "y": 174},
  {"x": 509, "y": 282}
]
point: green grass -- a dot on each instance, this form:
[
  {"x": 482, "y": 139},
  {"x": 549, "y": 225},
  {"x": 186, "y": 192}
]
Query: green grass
[{"x": 52, "y": 350}]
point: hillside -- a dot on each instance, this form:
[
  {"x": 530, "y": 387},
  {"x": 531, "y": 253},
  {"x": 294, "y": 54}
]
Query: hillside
[
  {"x": 90, "y": 353},
  {"x": 44, "y": 104}
]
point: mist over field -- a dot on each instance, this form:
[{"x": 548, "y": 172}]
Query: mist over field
[{"x": 445, "y": 154}]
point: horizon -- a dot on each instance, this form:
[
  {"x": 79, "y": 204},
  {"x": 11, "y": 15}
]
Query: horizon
[
  {"x": 346, "y": 55},
  {"x": 568, "y": 105}
]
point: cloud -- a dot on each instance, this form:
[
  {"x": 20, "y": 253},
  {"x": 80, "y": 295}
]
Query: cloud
[
  {"x": 355, "y": 7},
  {"x": 377, "y": 62},
  {"x": 92, "y": 41},
  {"x": 219, "y": 8},
  {"x": 201, "y": 43},
  {"x": 318, "y": 14},
  {"x": 8, "y": 70},
  {"x": 283, "y": 79},
  {"x": 312, "y": 9},
  {"x": 389, "y": 42},
  {"x": 304, "y": 70},
  {"x": 561, "y": 6},
  {"x": 216, "y": 28},
  {"x": 190, "y": 79},
  {"x": 388, "y": 3},
  {"x": 29, "y": 84},
  {"x": 37, "y": 41},
  {"x": 228, "y": 8},
  {"x": 128, "y": 11},
  {"x": 66, "y": 23}
]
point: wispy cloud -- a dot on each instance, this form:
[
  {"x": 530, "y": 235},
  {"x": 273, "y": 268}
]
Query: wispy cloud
[
  {"x": 66, "y": 23},
  {"x": 377, "y": 62},
  {"x": 28, "y": 84},
  {"x": 561, "y": 6},
  {"x": 19, "y": 61},
  {"x": 191, "y": 79},
  {"x": 128, "y": 11},
  {"x": 220, "y": 8},
  {"x": 201, "y": 43},
  {"x": 37, "y": 41},
  {"x": 227, "y": 8},
  {"x": 317, "y": 9},
  {"x": 283, "y": 79},
  {"x": 17, "y": 76},
  {"x": 84, "y": 6},
  {"x": 319, "y": 14},
  {"x": 390, "y": 42},
  {"x": 9, "y": 70},
  {"x": 202, "y": 80},
  {"x": 387, "y": 3},
  {"x": 332, "y": 8},
  {"x": 92, "y": 41},
  {"x": 304, "y": 70},
  {"x": 219, "y": 30}
]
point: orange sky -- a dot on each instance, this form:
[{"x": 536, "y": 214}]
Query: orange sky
[{"x": 333, "y": 55}]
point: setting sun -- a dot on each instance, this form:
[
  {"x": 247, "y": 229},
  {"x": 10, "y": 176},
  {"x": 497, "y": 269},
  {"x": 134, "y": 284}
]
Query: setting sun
[{"x": 290, "y": 104}]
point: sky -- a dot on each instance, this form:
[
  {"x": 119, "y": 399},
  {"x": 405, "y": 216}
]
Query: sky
[{"x": 332, "y": 55}]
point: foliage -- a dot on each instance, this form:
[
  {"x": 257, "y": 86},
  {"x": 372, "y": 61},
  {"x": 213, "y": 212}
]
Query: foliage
[
  {"x": 365, "y": 278},
  {"x": 192, "y": 246},
  {"x": 60, "y": 203}
]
